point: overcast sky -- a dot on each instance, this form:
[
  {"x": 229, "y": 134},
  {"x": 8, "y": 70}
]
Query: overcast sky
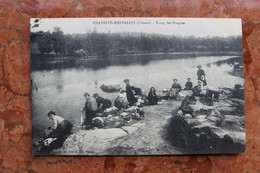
[{"x": 198, "y": 27}]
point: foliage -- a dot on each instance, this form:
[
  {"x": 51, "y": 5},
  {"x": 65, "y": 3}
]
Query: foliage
[{"x": 108, "y": 44}]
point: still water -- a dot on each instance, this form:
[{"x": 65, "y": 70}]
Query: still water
[{"x": 61, "y": 90}]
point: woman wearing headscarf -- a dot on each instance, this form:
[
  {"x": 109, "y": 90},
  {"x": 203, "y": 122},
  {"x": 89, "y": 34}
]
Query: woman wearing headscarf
[{"x": 152, "y": 97}]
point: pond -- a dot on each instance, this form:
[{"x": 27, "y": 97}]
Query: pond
[{"x": 61, "y": 90}]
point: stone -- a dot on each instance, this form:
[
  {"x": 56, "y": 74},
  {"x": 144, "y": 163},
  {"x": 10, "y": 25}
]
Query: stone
[
  {"x": 231, "y": 146},
  {"x": 110, "y": 88},
  {"x": 138, "y": 125},
  {"x": 237, "y": 137},
  {"x": 216, "y": 117},
  {"x": 206, "y": 136},
  {"x": 234, "y": 119},
  {"x": 226, "y": 110},
  {"x": 129, "y": 129},
  {"x": 91, "y": 142}
]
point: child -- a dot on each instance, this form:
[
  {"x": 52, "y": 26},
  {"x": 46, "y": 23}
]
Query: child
[{"x": 188, "y": 84}]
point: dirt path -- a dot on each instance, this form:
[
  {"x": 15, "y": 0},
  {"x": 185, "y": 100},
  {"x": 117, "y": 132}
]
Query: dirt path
[{"x": 149, "y": 138}]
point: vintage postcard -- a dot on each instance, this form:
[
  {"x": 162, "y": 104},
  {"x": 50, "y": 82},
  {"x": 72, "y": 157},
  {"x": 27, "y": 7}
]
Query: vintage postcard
[{"x": 137, "y": 86}]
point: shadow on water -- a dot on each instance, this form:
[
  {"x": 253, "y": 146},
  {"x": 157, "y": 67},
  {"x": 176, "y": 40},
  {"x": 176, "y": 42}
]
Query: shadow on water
[
  {"x": 235, "y": 62},
  {"x": 52, "y": 62}
]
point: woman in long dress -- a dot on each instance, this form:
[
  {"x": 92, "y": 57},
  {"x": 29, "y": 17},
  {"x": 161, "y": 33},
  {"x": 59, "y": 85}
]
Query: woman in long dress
[{"x": 152, "y": 97}]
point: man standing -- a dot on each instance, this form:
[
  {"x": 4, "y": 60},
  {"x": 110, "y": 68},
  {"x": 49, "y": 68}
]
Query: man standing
[
  {"x": 101, "y": 101},
  {"x": 87, "y": 111},
  {"x": 201, "y": 75},
  {"x": 129, "y": 93}
]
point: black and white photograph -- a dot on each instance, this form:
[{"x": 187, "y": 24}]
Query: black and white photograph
[{"x": 137, "y": 86}]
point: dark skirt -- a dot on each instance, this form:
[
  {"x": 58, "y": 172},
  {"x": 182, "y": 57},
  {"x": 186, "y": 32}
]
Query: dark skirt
[
  {"x": 90, "y": 114},
  {"x": 61, "y": 133},
  {"x": 131, "y": 99},
  {"x": 106, "y": 104},
  {"x": 153, "y": 99},
  {"x": 63, "y": 129}
]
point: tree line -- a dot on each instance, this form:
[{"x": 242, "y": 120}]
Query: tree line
[{"x": 109, "y": 44}]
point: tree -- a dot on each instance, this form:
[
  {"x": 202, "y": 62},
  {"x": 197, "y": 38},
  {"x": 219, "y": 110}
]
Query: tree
[
  {"x": 45, "y": 42},
  {"x": 59, "y": 41}
]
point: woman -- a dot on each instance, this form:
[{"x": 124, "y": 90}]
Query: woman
[
  {"x": 152, "y": 97},
  {"x": 56, "y": 135},
  {"x": 129, "y": 93},
  {"x": 102, "y": 103},
  {"x": 61, "y": 126},
  {"x": 185, "y": 106},
  {"x": 87, "y": 113}
]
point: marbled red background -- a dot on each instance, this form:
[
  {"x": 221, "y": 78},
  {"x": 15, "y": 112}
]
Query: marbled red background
[{"x": 15, "y": 117}]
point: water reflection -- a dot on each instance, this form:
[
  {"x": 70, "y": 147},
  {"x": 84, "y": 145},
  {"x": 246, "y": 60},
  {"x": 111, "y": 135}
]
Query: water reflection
[
  {"x": 96, "y": 84},
  {"x": 59, "y": 80},
  {"x": 233, "y": 62},
  {"x": 95, "y": 63},
  {"x": 62, "y": 89}
]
